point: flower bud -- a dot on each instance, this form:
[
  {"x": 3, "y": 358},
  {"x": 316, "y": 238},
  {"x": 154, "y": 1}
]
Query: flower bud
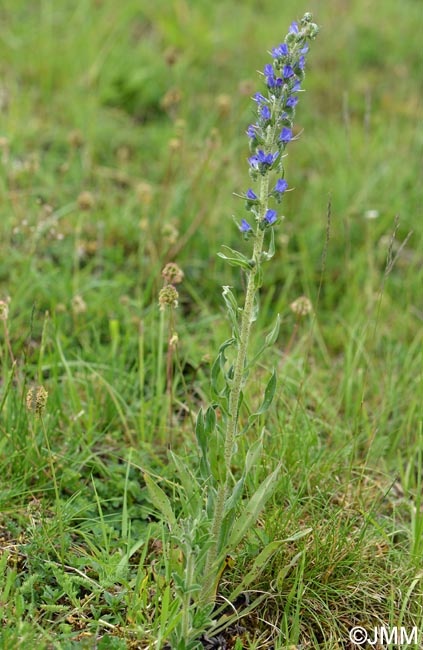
[
  {"x": 172, "y": 273},
  {"x": 301, "y": 306},
  {"x": 168, "y": 296}
]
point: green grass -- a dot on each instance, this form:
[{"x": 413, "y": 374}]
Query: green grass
[{"x": 88, "y": 105}]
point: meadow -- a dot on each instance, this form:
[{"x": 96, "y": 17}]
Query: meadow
[{"x": 122, "y": 143}]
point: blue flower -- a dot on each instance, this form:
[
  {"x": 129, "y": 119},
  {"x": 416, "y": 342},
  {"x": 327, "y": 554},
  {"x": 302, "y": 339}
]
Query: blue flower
[
  {"x": 270, "y": 217},
  {"x": 245, "y": 226},
  {"x": 301, "y": 62},
  {"x": 281, "y": 50},
  {"x": 268, "y": 70},
  {"x": 294, "y": 28},
  {"x": 251, "y": 131},
  {"x": 291, "y": 102},
  {"x": 265, "y": 113},
  {"x": 259, "y": 98},
  {"x": 296, "y": 87},
  {"x": 251, "y": 195},
  {"x": 262, "y": 161},
  {"x": 286, "y": 135},
  {"x": 305, "y": 49},
  {"x": 281, "y": 186},
  {"x": 288, "y": 71}
]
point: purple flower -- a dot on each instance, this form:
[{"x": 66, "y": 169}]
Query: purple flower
[
  {"x": 288, "y": 71},
  {"x": 270, "y": 82},
  {"x": 281, "y": 186},
  {"x": 268, "y": 70},
  {"x": 270, "y": 217},
  {"x": 251, "y": 131},
  {"x": 259, "y": 98},
  {"x": 301, "y": 62},
  {"x": 265, "y": 113},
  {"x": 294, "y": 28},
  {"x": 245, "y": 226},
  {"x": 296, "y": 87},
  {"x": 291, "y": 102},
  {"x": 281, "y": 50},
  {"x": 286, "y": 135},
  {"x": 251, "y": 195},
  {"x": 262, "y": 160},
  {"x": 305, "y": 49}
]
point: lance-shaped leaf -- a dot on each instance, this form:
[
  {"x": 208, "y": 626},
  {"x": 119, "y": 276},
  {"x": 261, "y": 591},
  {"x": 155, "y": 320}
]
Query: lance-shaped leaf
[
  {"x": 251, "y": 459},
  {"x": 267, "y": 255},
  {"x": 269, "y": 394},
  {"x": 218, "y": 370},
  {"x": 160, "y": 500},
  {"x": 269, "y": 340},
  {"x": 191, "y": 494},
  {"x": 202, "y": 436},
  {"x": 232, "y": 307},
  {"x": 255, "y": 505},
  {"x": 235, "y": 258}
]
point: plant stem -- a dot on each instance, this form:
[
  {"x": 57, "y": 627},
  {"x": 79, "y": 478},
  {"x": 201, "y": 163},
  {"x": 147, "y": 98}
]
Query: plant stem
[{"x": 235, "y": 393}]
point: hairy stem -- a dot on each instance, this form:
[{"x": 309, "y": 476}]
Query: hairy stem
[{"x": 235, "y": 393}]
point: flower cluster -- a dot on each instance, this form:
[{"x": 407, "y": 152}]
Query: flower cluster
[
  {"x": 36, "y": 400},
  {"x": 273, "y": 129}
]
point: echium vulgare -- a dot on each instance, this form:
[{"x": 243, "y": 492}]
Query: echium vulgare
[{"x": 269, "y": 136}]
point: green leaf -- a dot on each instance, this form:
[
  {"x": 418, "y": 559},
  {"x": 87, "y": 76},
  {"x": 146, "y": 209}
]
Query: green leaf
[
  {"x": 188, "y": 482},
  {"x": 298, "y": 535},
  {"x": 274, "y": 333},
  {"x": 236, "y": 254},
  {"x": 210, "y": 421},
  {"x": 266, "y": 256},
  {"x": 269, "y": 394},
  {"x": 233, "y": 261},
  {"x": 253, "y": 508},
  {"x": 160, "y": 500},
  {"x": 252, "y": 457},
  {"x": 202, "y": 434},
  {"x": 258, "y": 565},
  {"x": 218, "y": 369},
  {"x": 258, "y": 279},
  {"x": 232, "y": 308}
]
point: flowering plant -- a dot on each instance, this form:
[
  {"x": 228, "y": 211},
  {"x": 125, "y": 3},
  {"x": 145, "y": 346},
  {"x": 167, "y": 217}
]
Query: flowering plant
[{"x": 215, "y": 520}]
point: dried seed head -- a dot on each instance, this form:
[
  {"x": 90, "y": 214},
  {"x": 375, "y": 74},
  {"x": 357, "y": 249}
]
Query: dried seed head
[
  {"x": 36, "y": 400},
  {"x": 79, "y": 306},
  {"x": 76, "y": 139},
  {"x": 168, "y": 296},
  {"x": 172, "y": 273},
  {"x": 224, "y": 105},
  {"x": 170, "y": 233},
  {"x": 174, "y": 340},
  {"x": 144, "y": 192},
  {"x": 174, "y": 144},
  {"x": 301, "y": 306},
  {"x": 171, "y": 100},
  {"x": 247, "y": 87},
  {"x": 86, "y": 201}
]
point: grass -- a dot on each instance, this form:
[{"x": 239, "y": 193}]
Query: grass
[{"x": 122, "y": 142}]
